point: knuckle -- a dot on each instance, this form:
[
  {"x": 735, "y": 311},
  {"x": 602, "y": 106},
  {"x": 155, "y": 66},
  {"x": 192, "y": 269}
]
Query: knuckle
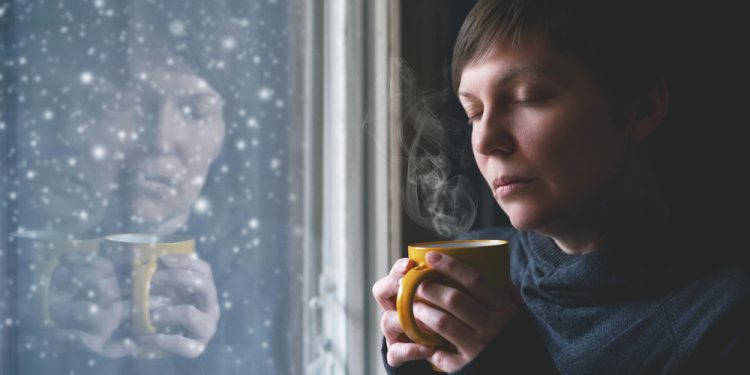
[
  {"x": 474, "y": 280},
  {"x": 193, "y": 316},
  {"x": 384, "y": 322},
  {"x": 442, "y": 322},
  {"x": 452, "y": 298}
]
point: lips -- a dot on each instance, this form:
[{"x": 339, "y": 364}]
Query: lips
[{"x": 507, "y": 185}]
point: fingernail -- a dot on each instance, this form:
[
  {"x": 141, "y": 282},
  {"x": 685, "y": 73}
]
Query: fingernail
[
  {"x": 434, "y": 257},
  {"x": 404, "y": 264},
  {"x": 170, "y": 258}
]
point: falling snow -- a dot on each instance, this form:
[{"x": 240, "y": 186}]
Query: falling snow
[
  {"x": 176, "y": 118},
  {"x": 86, "y": 78}
]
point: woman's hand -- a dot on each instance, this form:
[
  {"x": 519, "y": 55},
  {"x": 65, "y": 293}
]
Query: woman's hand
[
  {"x": 86, "y": 305},
  {"x": 400, "y": 348},
  {"x": 468, "y": 319},
  {"x": 183, "y": 296}
]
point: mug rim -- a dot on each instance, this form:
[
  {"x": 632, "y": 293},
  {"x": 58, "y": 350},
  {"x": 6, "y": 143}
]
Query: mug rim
[
  {"x": 426, "y": 245},
  {"x": 148, "y": 238},
  {"x": 52, "y": 235}
]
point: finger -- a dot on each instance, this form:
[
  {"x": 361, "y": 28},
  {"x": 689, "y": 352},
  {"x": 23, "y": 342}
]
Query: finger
[
  {"x": 391, "y": 328},
  {"x": 469, "y": 278},
  {"x": 201, "y": 286},
  {"x": 175, "y": 344},
  {"x": 186, "y": 261},
  {"x": 402, "y": 352},
  {"x": 86, "y": 283},
  {"x": 458, "y": 303},
  {"x": 385, "y": 290},
  {"x": 88, "y": 260},
  {"x": 401, "y": 266},
  {"x": 87, "y": 316},
  {"x": 97, "y": 344},
  {"x": 201, "y": 325},
  {"x": 444, "y": 324}
]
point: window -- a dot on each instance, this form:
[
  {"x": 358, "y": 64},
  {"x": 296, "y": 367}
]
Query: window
[{"x": 129, "y": 126}]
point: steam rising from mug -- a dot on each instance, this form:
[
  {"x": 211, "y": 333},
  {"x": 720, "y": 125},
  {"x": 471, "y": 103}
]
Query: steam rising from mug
[{"x": 432, "y": 197}]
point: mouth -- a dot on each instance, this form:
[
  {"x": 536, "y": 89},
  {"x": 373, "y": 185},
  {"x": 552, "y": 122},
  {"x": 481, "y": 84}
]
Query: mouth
[
  {"x": 507, "y": 185},
  {"x": 158, "y": 185}
]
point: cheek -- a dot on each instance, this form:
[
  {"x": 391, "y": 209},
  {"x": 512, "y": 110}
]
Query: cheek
[
  {"x": 580, "y": 149},
  {"x": 482, "y": 161}
]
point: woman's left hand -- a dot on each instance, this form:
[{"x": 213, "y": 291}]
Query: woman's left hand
[
  {"x": 198, "y": 315},
  {"x": 468, "y": 319}
]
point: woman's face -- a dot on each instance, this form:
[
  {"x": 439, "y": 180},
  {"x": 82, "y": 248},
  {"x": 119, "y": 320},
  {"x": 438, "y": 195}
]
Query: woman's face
[
  {"x": 142, "y": 148},
  {"x": 180, "y": 129},
  {"x": 543, "y": 135}
]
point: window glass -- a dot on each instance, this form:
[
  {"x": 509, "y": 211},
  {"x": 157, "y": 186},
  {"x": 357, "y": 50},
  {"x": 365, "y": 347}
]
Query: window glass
[{"x": 172, "y": 121}]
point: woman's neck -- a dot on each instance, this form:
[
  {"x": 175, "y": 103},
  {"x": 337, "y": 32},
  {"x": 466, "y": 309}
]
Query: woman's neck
[{"x": 634, "y": 204}]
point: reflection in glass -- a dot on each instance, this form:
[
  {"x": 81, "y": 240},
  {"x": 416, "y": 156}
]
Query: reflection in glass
[{"x": 159, "y": 118}]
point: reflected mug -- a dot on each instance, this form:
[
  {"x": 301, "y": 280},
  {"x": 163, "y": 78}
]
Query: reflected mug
[
  {"x": 40, "y": 251},
  {"x": 489, "y": 257},
  {"x": 140, "y": 252}
]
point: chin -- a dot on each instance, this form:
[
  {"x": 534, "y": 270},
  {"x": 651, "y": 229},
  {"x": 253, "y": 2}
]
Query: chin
[
  {"x": 524, "y": 217},
  {"x": 152, "y": 212}
]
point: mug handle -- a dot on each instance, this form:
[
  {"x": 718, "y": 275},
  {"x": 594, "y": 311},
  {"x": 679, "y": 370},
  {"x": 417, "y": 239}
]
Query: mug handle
[
  {"x": 143, "y": 272},
  {"x": 405, "y": 303},
  {"x": 44, "y": 277},
  {"x": 42, "y": 316}
]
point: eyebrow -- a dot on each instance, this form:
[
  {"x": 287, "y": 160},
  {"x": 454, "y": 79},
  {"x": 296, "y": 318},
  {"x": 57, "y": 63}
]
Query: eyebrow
[{"x": 510, "y": 75}]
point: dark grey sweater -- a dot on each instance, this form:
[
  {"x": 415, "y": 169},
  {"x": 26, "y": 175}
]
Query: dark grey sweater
[{"x": 657, "y": 303}]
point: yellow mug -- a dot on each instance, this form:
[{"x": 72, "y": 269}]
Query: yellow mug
[
  {"x": 40, "y": 252},
  {"x": 141, "y": 252},
  {"x": 489, "y": 257}
]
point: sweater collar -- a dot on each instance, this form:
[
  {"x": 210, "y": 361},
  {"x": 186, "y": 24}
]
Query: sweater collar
[{"x": 648, "y": 262}]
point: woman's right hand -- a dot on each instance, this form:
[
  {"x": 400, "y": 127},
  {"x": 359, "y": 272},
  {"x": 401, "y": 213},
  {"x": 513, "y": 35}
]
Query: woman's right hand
[
  {"x": 86, "y": 305},
  {"x": 400, "y": 348}
]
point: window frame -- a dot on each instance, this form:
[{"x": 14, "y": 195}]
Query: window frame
[{"x": 352, "y": 212}]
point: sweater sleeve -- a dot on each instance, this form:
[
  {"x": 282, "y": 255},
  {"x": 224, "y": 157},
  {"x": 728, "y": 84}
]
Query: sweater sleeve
[
  {"x": 510, "y": 351},
  {"x": 725, "y": 348}
]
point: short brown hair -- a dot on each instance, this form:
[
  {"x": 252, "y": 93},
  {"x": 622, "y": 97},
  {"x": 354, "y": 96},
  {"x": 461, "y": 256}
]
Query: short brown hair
[{"x": 619, "y": 40}]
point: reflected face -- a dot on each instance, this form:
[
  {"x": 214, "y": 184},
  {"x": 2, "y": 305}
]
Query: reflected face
[
  {"x": 142, "y": 149},
  {"x": 542, "y": 133},
  {"x": 179, "y": 130}
]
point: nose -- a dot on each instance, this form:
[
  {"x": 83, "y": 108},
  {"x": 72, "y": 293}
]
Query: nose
[
  {"x": 165, "y": 124},
  {"x": 492, "y": 136}
]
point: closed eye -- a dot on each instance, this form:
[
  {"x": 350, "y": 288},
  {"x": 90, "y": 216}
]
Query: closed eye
[{"x": 474, "y": 117}]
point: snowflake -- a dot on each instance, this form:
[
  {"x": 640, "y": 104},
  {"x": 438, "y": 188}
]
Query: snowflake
[
  {"x": 202, "y": 205},
  {"x": 228, "y": 43},
  {"x": 177, "y": 28},
  {"x": 265, "y": 93},
  {"x": 275, "y": 163},
  {"x": 253, "y": 223},
  {"x": 241, "y": 144},
  {"x": 86, "y": 78},
  {"x": 99, "y": 152}
]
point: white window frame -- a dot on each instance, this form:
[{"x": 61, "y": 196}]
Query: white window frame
[{"x": 352, "y": 214}]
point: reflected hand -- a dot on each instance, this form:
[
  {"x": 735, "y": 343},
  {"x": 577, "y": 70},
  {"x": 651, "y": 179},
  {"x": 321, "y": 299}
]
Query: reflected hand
[
  {"x": 86, "y": 305},
  {"x": 198, "y": 314}
]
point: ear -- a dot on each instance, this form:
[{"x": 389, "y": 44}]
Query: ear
[{"x": 649, "y": 110}]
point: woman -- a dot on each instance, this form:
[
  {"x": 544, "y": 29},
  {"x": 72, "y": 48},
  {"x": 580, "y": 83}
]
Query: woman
[{"x": 563, "y": 99}]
